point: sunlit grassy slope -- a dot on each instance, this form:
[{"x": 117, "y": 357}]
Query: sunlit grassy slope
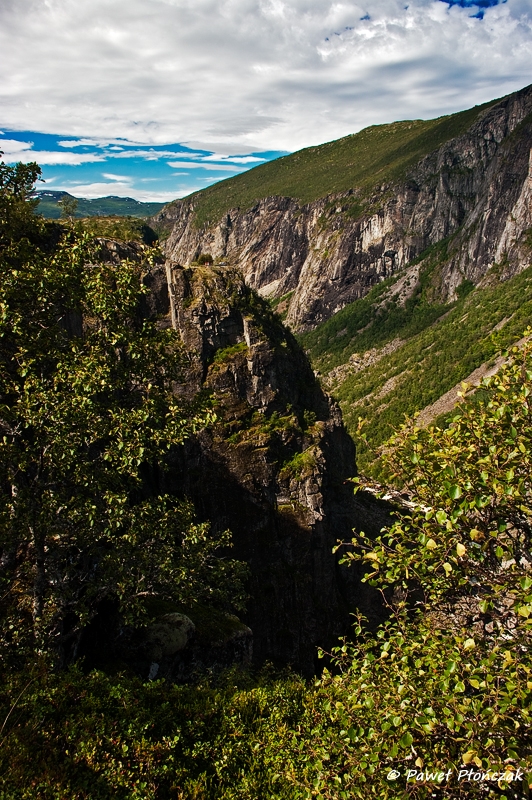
[
  {"x": 442, "y": 346},
  {"x": 376, "y": 155}
]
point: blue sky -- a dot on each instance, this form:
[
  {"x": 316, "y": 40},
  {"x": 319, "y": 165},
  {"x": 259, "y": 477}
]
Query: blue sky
[
  {"x": 158, "y": 98},
  {"x": 94, "y": 168}
]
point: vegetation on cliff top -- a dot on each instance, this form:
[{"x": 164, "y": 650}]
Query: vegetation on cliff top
[
  {"x": 127, "y": 229},
  {"x": 363, "y": 161}
]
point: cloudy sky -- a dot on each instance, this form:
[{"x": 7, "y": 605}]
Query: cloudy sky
[{"x": 157, "y": 98}]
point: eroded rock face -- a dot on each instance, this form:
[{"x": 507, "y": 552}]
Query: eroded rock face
[
  {"x": 477, "y": 186},
  {"x": 275, "y": 467}
]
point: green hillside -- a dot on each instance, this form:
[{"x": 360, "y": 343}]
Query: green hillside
[
  {"x": 439, "y": 347},
  {"x": 102, "y": 206},
  {"x": 376, "y": 155}
]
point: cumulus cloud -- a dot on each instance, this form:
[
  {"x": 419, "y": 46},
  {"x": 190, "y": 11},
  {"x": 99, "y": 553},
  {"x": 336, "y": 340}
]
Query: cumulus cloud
[
  {"x": 250, "y": 75},
  {"x": 47, "y": 157},
  {"x": 9, "y": 146}
]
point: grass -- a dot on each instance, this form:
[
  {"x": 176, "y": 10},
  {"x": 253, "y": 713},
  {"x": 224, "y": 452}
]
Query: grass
[
  {"x": 365, "y": 160},
  {"x": 227, "y": 353},
  {"x": 299, "y": 465}
]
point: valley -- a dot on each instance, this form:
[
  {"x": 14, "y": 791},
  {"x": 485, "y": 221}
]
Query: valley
[{"x": 228, "y": 570}]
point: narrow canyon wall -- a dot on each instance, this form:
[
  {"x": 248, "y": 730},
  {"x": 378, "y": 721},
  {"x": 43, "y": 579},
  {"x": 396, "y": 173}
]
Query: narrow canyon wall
[{"x": 274, "y": 468}]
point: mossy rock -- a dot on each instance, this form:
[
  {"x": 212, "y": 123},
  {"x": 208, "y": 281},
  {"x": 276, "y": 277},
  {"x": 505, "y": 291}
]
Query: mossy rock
[
  {"x": 212, "y": 626},
  {"x": 168, "y": 635}
]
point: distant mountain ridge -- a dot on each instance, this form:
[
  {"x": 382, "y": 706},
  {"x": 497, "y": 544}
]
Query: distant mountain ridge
[{"x": 101, "y": 206}]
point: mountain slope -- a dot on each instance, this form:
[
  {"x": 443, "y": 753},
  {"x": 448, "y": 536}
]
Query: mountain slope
[
  {"x": 384, "y": 356},
  {"x": 331, "y": 222},
  {"x": 378, "y": 154}
]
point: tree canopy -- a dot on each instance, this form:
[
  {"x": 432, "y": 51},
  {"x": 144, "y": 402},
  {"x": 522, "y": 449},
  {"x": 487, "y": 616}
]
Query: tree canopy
[{"x": 87, "y": 408}]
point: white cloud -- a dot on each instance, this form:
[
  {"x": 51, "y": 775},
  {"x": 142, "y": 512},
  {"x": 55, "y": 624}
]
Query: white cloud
[
  {"x": 46, "y": 157},
  {"x": 92, "y": 190},
  {"x": 148, "y": 155},
  {"x": 9, "y": 146},
  {"x": 249, "y": 75},
  {"x": 210, "y": 167},
  {"x": 111, "y": 177},
  {"x": 233, "y": 159}
]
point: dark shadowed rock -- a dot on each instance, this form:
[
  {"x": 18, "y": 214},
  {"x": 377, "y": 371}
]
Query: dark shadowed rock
[{"x": 274, "y": 468}]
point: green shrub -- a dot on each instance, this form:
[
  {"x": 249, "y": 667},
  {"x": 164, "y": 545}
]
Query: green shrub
[
  {"x": 299, "y": 465},
  {"x": 225, "y": 354}
]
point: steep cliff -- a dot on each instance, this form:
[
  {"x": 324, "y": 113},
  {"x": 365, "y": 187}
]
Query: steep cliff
[
  {"x": 274, "y": 468},
  {"x": 318, "y": 256}
]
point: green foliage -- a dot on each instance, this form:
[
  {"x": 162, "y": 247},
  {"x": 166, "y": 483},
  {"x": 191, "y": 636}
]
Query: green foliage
[
  {"x": 444, "y": 685},
  {"x": 19, "y": 180},
  {"x": 470, "y": 526},
  {"x": 127, "y": 229},
  {"x": 464, "y": 288},
  {"x": 100, "y": 737},
  {"x": 299, "y": 465},
  {"x": 377, "y": 155},
  {"x": 69, "y": 207},
  {"x": 227, "y": 353},
  {"x": 17, "y": 218},
  {"x": 417, "y": 700},
  {"x": 87, "y": 412},
  {"x": 449, "y": 678},
  {"x": 258, "y": 427},
  {"x": 276, "y": 301}
]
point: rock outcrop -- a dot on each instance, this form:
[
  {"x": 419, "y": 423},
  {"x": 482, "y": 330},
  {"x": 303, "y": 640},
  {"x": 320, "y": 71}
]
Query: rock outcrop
[
  {"x": 275, "y": 467},
  {"x": 476, "y": 187}
]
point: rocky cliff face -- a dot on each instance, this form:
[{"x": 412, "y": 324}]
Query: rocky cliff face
[
  {"x": 476, "y": 187},
  {"x": 274, "y": 468}
]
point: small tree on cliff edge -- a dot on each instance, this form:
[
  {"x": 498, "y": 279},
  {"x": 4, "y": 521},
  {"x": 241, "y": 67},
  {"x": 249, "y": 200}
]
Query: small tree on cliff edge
[{"x": 86, "y": 405}]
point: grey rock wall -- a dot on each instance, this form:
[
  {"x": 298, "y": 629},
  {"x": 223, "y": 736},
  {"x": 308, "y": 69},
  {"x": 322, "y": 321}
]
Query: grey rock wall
[{"x": 477, "y": 186}]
